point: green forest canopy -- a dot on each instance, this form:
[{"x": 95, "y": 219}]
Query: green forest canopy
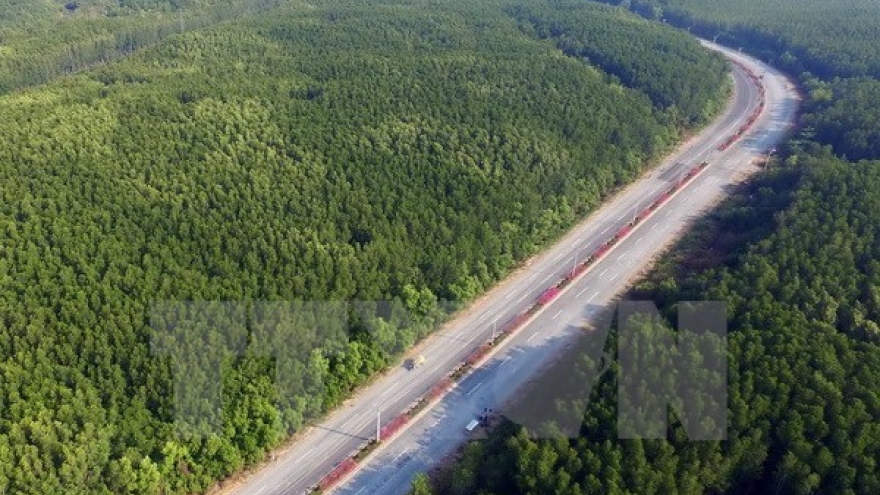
[
  {"x": 598, "y": 35},
  {"x": 380, "y": 151},
  {"x": 826, "y": 38},
  {"x": 829, "y": 46},
  {"x": 43, "y": 39}
]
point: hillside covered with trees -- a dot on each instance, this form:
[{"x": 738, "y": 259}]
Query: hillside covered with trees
[
  {"x": 623, "y": 46},
  {"x": 830, "y": 47},
  {"x": 843, "y": 113},
  {"x": 44, "y": 39},
  {"x": 828, "y": 39},
  {"x": 405, "y": 151},
  {"x": 795, "y": 256}
]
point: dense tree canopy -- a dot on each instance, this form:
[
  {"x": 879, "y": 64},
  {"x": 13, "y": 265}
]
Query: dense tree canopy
[
  {"x": 44, "y": 39},
  {"x": 410, "y": 152},
  {"x": 844, "y": 113},
  {"x": 826, "y": 38},
  {"x": 628, "y": 48},
  {"x": 829, "y": 46}
]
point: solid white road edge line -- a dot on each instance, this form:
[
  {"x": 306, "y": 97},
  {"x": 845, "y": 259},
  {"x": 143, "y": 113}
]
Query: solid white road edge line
[{"x": 475, "y": 388}]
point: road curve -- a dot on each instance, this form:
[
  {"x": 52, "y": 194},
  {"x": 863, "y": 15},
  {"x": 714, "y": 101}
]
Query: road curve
[{"x": 438, "y": 431}]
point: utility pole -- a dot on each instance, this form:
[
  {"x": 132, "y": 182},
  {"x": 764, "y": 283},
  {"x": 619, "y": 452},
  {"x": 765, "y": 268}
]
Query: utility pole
[
  {"x": 494, "y": 324},
  {"x": 378, "y": 422}
]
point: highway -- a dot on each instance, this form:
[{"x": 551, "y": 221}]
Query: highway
[{"x": 438, "y": 431}]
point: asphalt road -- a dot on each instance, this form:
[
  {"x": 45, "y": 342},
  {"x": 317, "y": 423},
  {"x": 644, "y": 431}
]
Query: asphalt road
[{"x": 440, "y": 430}]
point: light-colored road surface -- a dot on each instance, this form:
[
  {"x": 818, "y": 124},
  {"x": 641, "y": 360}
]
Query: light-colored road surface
[{"x": 438, "y": 432}]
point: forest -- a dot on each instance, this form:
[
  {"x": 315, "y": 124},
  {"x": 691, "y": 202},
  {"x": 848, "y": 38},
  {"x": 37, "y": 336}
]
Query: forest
[
  {"x": 599, "y": 35},
  {"x": 407, "y": 152},
  {"x": 794, "y": 254},
  {"x": 828, "y": 39},
  {"x": 44, "y": 39},
  {"x": 829, "y": 47},
  {"x": 844, "y": 114}
]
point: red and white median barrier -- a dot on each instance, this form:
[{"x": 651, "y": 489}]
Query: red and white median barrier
[{"x": 753, "y": 117}]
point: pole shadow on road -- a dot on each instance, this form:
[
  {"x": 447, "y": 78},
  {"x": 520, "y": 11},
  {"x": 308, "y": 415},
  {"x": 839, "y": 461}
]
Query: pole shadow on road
[
  {"x": 343, "y": 433},
  {"x": 568, "y": 367}
]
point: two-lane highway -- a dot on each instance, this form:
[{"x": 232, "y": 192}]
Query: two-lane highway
[{"x": 439, "y": 431}]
